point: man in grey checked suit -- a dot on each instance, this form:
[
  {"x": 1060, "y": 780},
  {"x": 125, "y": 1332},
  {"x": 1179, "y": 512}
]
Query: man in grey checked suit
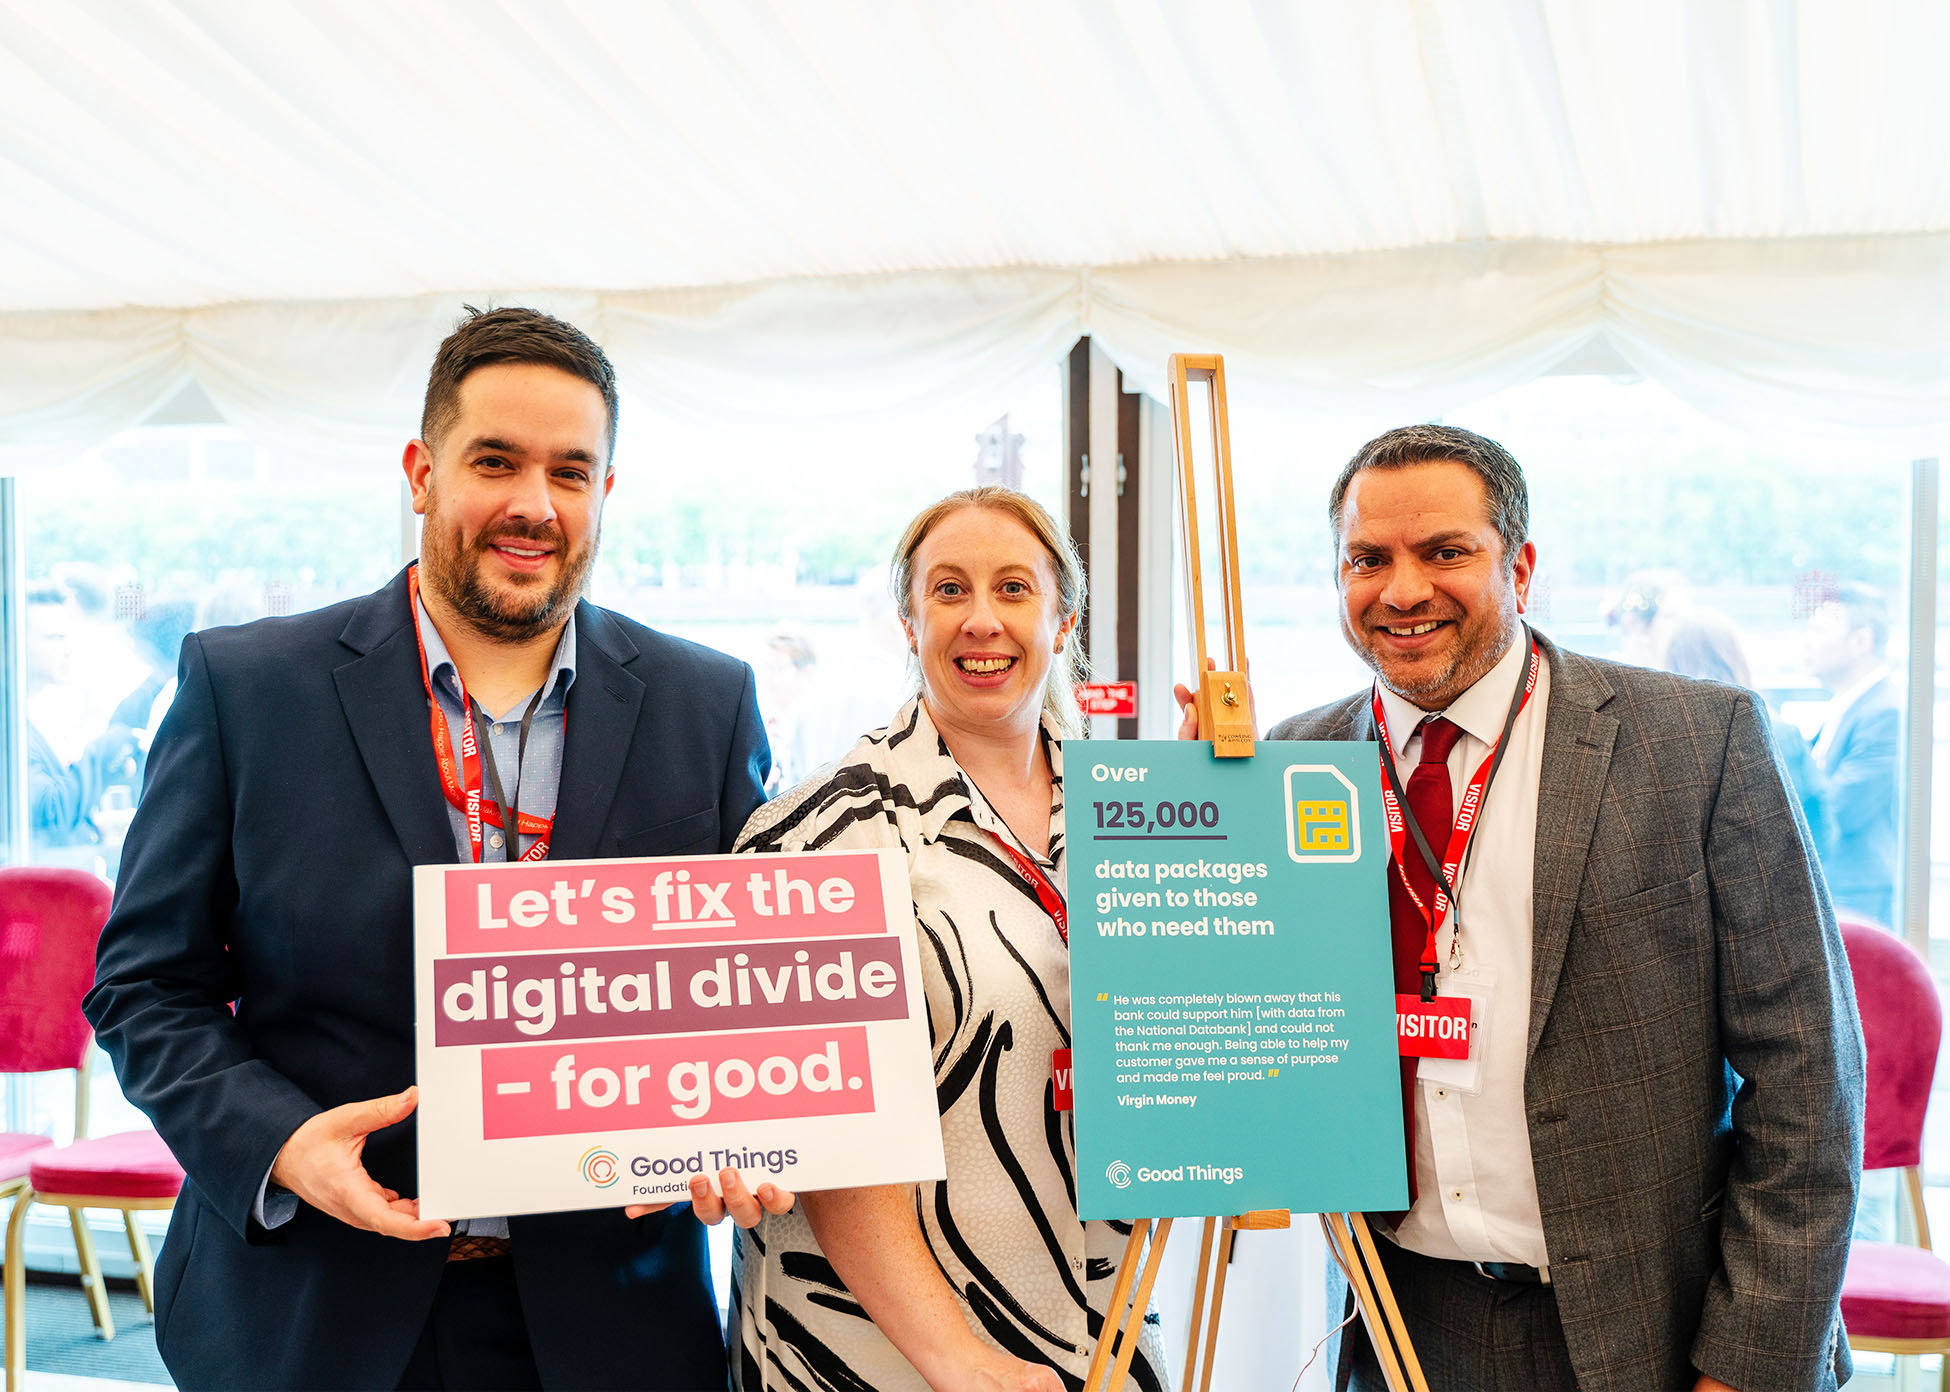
[{"x": 1643, "y": 1177}]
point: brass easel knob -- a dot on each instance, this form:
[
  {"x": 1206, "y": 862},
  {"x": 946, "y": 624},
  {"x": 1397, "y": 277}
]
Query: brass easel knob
[{"x": 1227, "y": 697}]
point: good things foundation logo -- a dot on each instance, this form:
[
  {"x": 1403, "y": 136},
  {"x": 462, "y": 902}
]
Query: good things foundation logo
[
  {"x": 600, "y": 1167},
  {"x": 1119, "y": 1174}
]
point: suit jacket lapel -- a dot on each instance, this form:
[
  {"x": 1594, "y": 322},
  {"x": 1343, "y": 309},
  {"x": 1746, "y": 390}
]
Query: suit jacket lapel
[
  {"x": 1578, "y": 741},
  {"x": 385, "y": 705},
  {"x": 602, "y": 718}
]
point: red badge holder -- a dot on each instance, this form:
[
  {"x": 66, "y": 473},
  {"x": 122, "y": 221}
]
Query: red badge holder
[
  {"x": 1059, "y": 1074},
  {"x": 1436, "y": 1028}
]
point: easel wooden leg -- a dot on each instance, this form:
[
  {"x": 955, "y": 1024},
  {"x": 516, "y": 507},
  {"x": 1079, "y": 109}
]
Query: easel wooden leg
[
  {"x": 1223, "y": 1264},
  {"x": 1124, "y": 1325},
  {"x": 1198, "y": 1304},
  {"x": 1353, "y": 1246},
  {"x": 1364, "y": 1241},
  {"x": 1114, "y": 1314}
]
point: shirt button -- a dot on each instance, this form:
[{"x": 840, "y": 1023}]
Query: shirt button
[
  {"x": 1455, "y": 1193},
  {"x": 1077, "y": 1263},
  {"x": 495, "y": 841},
  {"x": 497, "y": 729},
  {"x": 1441, "y": 1092}
]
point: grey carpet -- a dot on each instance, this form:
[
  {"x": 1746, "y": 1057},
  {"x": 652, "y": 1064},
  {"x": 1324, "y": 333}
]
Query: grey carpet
[{"x": 61, "y": 1337}]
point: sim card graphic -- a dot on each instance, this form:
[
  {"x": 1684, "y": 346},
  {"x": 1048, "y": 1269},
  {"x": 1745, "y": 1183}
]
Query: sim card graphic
[{"x": 1323, "y": 814}]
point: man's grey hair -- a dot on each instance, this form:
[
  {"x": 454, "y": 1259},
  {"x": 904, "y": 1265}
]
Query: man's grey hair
[{"x": 1502, "y": 476}]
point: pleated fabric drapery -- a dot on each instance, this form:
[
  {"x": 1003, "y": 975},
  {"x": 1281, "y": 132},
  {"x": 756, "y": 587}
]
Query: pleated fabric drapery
[{"x": 864, "y": 211}]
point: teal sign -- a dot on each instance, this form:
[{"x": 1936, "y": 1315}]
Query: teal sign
[{"x": 1232, "y": 1000}]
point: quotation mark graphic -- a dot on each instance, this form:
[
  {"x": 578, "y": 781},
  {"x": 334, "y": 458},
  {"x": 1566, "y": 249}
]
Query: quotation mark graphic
[
  {"x": 1119, "y": 1174},
  {"x": 600, "y": 1167}
]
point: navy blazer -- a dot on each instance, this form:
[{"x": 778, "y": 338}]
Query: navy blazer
[{"x": 291, "y": 790}]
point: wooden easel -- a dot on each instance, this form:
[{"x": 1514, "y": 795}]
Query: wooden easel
[{"x": 1225, "y": 716}]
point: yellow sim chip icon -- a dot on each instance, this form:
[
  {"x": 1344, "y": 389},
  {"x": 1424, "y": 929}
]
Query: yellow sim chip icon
[
  {"x": 1320, "y": 826},
  {"x": 1322, "y": 813}
]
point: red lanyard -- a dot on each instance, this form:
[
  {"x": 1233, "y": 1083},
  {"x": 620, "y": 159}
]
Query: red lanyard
[
  {"x": 462, "y": 783},
  {"x": 1046, "y": 894},
  {"x": 1400, "y": 823}
]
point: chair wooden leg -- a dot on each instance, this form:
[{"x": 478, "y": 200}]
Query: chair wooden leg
[
  {"x": 16, "y": 1295},
  {"x": 91, "y": 1274},
  {"x": 139, "y": 1249}
]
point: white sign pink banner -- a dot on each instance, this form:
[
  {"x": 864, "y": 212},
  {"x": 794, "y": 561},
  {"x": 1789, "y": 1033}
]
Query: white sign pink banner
[{"x": 593, "y": 1033}]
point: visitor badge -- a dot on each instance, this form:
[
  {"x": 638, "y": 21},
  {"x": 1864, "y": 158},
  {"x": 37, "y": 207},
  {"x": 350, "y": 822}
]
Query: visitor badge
[
  {"x": 1059, "y": 1069},
  {"x": 1463, "y": 1072},
  {"x": 1436, "y": 1029}
]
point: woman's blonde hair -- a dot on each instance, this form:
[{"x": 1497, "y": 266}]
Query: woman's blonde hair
[{"x": 1070, "y": 665}]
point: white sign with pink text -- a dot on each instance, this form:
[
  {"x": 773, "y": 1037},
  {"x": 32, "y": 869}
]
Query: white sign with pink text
[{"x": 593, "y": 1033}]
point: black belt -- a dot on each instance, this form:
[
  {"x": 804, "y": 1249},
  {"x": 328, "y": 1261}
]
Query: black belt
[{"x": 1513, "y": 1273}]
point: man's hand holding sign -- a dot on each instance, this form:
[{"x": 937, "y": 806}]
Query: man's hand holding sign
[{"x": 322, "y": 1165}]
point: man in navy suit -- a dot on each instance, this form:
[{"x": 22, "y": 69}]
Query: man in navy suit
[
  {"x": 255, "y": 978},
  {"x": 1857, "y": 752}
]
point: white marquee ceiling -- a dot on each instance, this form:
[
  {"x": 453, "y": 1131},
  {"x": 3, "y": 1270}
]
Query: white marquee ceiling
[{"x": 196, "y": 152}]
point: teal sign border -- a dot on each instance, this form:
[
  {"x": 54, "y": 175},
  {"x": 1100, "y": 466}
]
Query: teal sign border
[{"x": 1224, "y": 1138}]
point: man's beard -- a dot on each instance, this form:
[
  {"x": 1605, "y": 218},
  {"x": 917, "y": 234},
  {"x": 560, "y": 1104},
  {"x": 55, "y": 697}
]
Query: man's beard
[
  {"x": 1474, "y": 654},
  {"x": 453, "y": 571}
]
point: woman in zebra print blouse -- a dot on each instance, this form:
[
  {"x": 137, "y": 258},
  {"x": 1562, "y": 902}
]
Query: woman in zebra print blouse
[{"x": 987, "y": 1281}]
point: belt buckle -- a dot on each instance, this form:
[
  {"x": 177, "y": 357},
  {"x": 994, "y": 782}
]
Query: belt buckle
[{"x": 1543, "y": 1273}]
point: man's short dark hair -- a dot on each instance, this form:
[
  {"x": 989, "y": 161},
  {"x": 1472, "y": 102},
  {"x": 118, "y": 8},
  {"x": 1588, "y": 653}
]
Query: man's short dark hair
[
  {"x": 1864, "y": 607},
  {"x": 512, "y": 335},
  {"x": 1502, "y": 476}
]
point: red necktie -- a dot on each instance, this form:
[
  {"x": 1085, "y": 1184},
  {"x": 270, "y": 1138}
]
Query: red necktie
[{"x": 1432, "y": 802}]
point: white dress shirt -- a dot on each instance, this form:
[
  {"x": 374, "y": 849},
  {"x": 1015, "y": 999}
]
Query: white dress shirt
[{"x": 1476, "y": 1196}]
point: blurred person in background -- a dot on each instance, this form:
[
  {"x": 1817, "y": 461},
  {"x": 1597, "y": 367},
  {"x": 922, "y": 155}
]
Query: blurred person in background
[
  {"x": 988, "y": 1279},
  {"x": 1644, "y": 613},
  {"x": 785, "y": 671},
  {"x": 64, "y": 795},
  {"x": 855, "y": 684},
  {"x": 1704, "y": 643},
  {"x": 157, "y": 637},
  {"x": 1858, "y": 751}
]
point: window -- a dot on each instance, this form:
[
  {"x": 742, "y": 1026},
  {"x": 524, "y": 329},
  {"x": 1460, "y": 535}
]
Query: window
[
  {"x": 776, "y": 551},
  {"x": 163, "y": 530}
]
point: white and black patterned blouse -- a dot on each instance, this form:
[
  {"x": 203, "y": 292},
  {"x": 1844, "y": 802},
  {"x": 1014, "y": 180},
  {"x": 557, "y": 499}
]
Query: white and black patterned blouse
[{"x": 1033, "y": 1279}]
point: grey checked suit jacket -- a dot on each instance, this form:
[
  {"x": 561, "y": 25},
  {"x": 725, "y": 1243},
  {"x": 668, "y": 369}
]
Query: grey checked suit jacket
[{"x": 1694, "y": 1083}]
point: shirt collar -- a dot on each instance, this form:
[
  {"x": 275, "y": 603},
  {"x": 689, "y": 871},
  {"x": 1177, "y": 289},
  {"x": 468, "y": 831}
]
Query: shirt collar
[
  {"x": 1844, "y": 699},
  {"x": 442, "y": 673},
  {"x": 918, "y": 760},
  {"x": 1480, "y": 711}
]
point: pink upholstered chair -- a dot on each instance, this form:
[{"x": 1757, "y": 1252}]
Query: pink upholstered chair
[
  {"x": 1896, "y": 1298},
  {"x": 49, "y": 922}
]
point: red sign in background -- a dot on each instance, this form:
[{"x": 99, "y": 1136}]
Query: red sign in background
[{"x": 1108, "y": 698}]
